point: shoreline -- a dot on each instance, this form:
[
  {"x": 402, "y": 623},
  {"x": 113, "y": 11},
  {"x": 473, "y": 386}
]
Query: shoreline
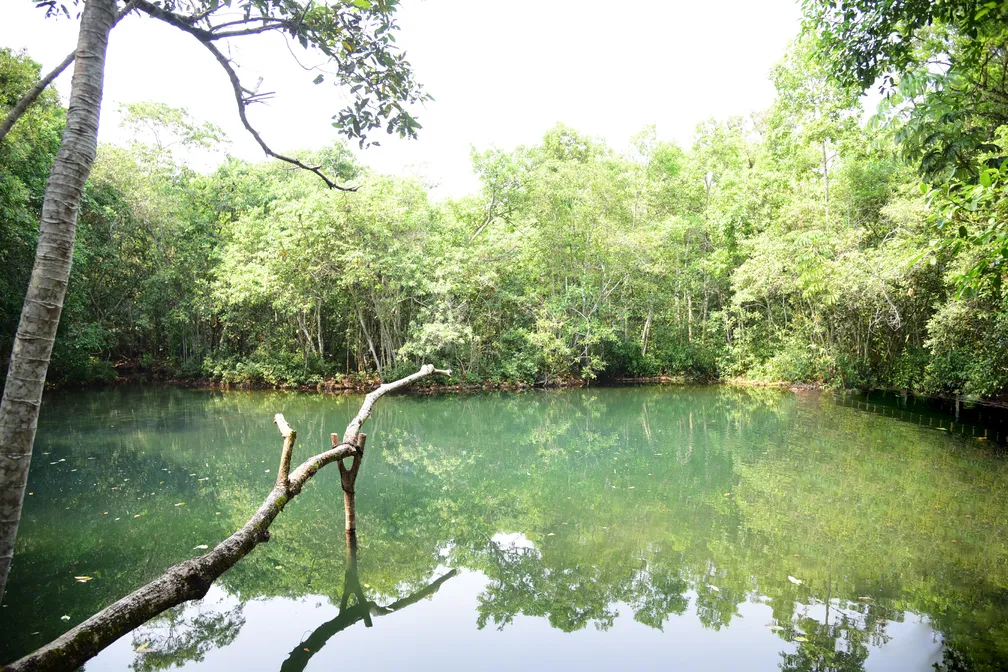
[{"x": 360, "y": 384}]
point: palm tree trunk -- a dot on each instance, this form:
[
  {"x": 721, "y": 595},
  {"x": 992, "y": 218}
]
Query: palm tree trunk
[{"x": 29, "y": 362}]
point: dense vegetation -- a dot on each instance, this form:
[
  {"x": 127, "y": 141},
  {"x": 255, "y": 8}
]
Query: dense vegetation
[{"x": 806, "y": 243}]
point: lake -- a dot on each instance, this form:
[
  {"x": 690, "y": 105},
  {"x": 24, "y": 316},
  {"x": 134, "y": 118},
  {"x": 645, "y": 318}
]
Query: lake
[{"x": 694, "y": 528}]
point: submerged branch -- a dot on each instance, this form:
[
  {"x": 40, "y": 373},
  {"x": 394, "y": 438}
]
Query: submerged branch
[{"x": 190, "y": 580}]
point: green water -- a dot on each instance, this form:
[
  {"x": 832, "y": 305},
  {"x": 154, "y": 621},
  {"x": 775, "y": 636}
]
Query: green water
[{"x": 688, "y": 528}]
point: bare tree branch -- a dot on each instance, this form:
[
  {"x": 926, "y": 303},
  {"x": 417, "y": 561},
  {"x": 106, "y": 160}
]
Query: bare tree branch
[
  {"x": 190, "y": 580},
  {"x": 206, "y": 38},
  {"x": 32, "y": 95},
  {"x": 36, "y": 91},
  {"x": 243, "y": 101}
]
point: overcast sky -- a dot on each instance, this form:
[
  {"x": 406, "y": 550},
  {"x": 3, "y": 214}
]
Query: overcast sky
[{"x": 501, "y": 73}]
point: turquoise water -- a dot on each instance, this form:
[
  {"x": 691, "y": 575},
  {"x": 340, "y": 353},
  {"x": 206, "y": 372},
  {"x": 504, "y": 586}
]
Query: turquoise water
[{"x": 696, "y": 528}]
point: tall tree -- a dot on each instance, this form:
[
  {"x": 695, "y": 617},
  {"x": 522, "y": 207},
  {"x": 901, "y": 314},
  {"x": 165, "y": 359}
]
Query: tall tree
[
  {"x": 355, "y": 36},
  {"x": 40, "y": 315}
]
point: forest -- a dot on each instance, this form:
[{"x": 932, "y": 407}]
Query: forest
[
  {"x": 852, "y": 236},
  {"x": 814, "y": 242}
]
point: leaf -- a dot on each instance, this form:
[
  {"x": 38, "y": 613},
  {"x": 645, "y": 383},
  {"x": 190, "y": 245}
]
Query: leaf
[
  {"x": 201, "y": 547},
  {"x": 319, "y": 79},
  {"x": 142, "y": 647},
  {"x": 64, "y": 617},
  {"x": 800, "y": 639},
  {"x": 793, "y": 580},
  {"x": 83, "y": 579}
]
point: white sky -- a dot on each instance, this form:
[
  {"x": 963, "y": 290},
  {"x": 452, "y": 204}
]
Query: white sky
[{"x": 501, "y": 73}]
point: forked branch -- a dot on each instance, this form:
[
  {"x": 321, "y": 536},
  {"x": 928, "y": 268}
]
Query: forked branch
[{"x": 190, "y": 580}]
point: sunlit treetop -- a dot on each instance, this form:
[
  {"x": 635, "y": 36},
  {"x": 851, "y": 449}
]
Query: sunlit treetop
[{"x": 868, "y": 39}]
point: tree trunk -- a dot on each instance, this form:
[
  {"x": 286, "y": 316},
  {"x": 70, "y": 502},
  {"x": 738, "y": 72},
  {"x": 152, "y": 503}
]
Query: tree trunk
[
  {"x": 367, "y": 335},
  {"x": 348, "y": 479},
  {"x": 190, "y": 580},
  {"x": 40, "y": 315},
  {"x": 646, "y": 332}
]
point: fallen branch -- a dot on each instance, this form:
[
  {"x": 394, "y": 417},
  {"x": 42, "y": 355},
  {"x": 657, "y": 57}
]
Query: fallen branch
[{"x": 190, "y": 580}]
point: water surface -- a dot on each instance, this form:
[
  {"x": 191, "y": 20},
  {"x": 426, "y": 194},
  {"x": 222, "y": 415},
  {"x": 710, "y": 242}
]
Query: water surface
[{"x": 696, "y": 528}]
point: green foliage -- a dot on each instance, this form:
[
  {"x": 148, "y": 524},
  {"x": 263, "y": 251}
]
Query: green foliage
[
  {"x": 795, "y": 245},
  {"x": 26, "y": 154}
]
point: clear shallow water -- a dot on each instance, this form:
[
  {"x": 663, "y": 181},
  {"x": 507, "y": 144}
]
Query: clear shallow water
[{"x": 699, "y": 528}]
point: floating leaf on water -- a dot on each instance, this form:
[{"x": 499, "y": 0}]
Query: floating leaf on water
[
  {"x": 800, "y": 639},
  {"x": 306, "y": 649},
  {"x": 136, "y": 516},
  {"x": 278, "y": 567},
  {"x": 865, "y": 598},
  {"x": 180, "y": 504},
  {"x": 31, "y": 493},
  {"x": 64, "y": 617},
  {"x": 201, "y": 547},
  {"x": 83, "y": 579},
  {"x": 142, "y": 647},
  {"x": 551, "y": 534},
  {"x": 793, "y": 580}
]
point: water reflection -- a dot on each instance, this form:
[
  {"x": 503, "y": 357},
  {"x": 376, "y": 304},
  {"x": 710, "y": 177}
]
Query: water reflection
[
  {"x": 360, "y": 609},
  {"x": 796, "y": 532}
]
